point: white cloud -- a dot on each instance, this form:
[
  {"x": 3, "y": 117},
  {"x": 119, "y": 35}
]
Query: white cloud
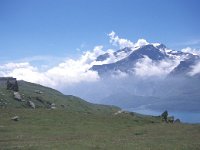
[
  {"x": 122, "y": 43},
  {"x": 195, "y": 69},
  {"x": 191, "y": 50},
  {"x": 147, "y": 68},
  {"x": 23, "y": 71},
  {"x": 119, "y": 74},
  {"x": 90, "y": 56},
  {"x": 141, "y": 42},
  {"x": 116, "y": 41},
  {"x": 66, "y": 73}
]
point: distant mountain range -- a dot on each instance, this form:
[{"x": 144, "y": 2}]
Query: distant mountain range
[
  {"x": 128, "y": 57},
  {"x": 177, "y": 91}
]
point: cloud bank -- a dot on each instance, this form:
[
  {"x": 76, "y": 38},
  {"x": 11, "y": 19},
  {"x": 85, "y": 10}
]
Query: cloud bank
[
  {"x": 191, "y": 50},
  {"x": 195, "y": 69},
  {"x": 74, "y": 71},
  {"x": 65, "y": 73},
  {"x": 148, "y": 68}
]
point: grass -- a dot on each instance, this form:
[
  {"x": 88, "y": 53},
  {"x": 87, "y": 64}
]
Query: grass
[
  {"x": 49, "y": 95},
  {"x": 80, "y": 125},
  {"x": 78, "y": 130}
]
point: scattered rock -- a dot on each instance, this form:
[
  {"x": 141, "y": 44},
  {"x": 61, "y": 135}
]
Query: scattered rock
[
  {"x": 15, "y": 118},
  {"x": 17, "y": 96},
  {"x": 53, "y": 106},
  {"x": 31, "y": 104},
  {"x": 118, "y": 112},
  {"x": 38, "y": 92}
]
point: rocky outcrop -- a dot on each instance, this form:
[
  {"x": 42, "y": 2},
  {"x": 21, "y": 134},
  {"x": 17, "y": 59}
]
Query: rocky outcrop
[
  {"x": 38, "y": 92},
  {"x": 12, "y": 84},
  {"x": 53, "y": 106},
  {"x": 15, "y": 118},
  {"x": 31, "y": 104},
  {"x": 17, "y": 96}
]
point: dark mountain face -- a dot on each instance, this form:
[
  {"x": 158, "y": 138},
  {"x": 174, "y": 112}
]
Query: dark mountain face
[
  {"x": 185, "y": 66},
  {"x": 148, "y": 50},
  {"x": 103, "y": 57}
]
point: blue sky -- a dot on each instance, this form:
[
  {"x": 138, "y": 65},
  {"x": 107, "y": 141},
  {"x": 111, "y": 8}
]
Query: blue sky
[{"x": 58, "y": 28}]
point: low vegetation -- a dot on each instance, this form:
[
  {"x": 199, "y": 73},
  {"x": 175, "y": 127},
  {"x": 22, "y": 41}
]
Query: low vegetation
[
  {"x": 76, "y": 124},
  {"x": 63, "y": 129}
]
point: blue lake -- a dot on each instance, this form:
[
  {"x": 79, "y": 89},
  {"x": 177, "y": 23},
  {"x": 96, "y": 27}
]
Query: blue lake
[{"x": 186, "y": 117}]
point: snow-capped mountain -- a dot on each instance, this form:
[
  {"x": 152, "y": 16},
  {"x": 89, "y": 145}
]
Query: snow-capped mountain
[{"x": 128, "y": 57}]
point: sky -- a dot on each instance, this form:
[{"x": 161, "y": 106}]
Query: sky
[
  {"x": 65, "y": 28},
  {"x": 48, "y": 41}
]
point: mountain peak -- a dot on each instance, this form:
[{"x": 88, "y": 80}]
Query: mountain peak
[
  {"x": 125, "y": 59},
  {"x": 159, "y": 45}
]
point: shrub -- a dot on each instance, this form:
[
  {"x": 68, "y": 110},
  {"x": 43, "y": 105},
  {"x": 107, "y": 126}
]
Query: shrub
[{"x": 164, "y": 115}]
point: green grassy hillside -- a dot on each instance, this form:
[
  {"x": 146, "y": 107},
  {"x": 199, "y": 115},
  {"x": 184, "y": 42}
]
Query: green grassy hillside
[
  {"x": 43, "y": 97},
  {"x": 78, "y": 125}
]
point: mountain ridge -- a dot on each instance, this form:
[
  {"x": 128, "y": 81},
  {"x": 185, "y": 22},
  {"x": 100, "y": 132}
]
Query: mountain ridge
[{"x": 155, "y": 52}]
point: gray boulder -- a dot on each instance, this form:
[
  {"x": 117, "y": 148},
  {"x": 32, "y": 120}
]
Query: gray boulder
[
  {"x": 17, "y": 96},
  {"x": 15, "y": 118},
  {"x": 53, "y": 106},
  {"x": 31, "y": 104},
  {"x": 38, "y": 92}
]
